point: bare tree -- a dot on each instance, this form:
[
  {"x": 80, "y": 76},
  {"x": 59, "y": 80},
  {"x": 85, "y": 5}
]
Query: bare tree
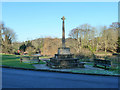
[
  {"x": 83, "y": 35},
  {"x": 7, "y": 37}
]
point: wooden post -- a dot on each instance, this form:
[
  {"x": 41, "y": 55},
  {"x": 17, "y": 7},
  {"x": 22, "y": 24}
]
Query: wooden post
[{"x": 21, "y": 60}]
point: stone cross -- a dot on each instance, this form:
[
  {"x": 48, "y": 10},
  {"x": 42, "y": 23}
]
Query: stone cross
[{"x": 63, "y": 33}]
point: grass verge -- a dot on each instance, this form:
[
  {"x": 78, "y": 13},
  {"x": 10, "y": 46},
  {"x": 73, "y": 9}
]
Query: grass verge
[{"x": 14, "y": 61}]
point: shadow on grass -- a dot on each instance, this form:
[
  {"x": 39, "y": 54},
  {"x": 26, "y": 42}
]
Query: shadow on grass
[{"x": 102, "y": 67}]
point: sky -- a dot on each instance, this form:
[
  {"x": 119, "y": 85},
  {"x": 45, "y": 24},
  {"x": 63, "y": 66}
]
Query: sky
[{"x": 31, "y": 20}]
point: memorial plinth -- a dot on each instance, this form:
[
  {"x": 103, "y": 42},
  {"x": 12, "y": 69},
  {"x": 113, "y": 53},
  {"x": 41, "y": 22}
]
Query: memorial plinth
[
  {"x": 64, "y": 59},
  {"x": 64, "y": 50}
]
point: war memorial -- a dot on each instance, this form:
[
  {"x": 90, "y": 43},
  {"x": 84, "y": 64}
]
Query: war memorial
[{"x": 64, "y": 58}]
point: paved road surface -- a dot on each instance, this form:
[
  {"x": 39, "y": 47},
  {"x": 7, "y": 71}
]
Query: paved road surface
[{"x": 12, "y": 78}]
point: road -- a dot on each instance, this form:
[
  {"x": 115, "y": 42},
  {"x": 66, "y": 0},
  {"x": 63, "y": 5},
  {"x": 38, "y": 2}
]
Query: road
[{"x": 13, "y": 78}]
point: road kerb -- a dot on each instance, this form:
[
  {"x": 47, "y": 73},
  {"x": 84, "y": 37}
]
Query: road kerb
[{"x": 48, "y": 70}]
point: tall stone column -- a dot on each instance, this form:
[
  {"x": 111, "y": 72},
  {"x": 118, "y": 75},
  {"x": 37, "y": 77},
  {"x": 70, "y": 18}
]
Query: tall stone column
[{"x": 63, "y": 32}]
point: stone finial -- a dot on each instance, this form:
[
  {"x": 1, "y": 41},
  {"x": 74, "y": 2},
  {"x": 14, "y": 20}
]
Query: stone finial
[{"x": 63, "y": 18}]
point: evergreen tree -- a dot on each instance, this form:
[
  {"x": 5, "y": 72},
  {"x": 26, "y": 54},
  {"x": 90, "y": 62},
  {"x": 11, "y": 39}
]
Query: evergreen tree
[{"x": 22, "y": 47}]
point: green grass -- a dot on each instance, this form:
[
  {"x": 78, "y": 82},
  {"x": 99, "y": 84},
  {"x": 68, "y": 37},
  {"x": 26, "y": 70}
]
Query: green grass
[
  {"x": 41, "y": 62},
  {"x": 14, "y": 61},
  {"x": 102, "y": 53},
  {"x": 45, "y": 57},
  {"x": 106, "y": 72},
  {"x": 114, "y": 70},
  {"x": 89, "y": 63}
]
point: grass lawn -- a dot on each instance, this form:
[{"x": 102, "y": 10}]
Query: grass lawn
[
  {"x": 14, "y": 61},
  {"x": 106, "y": 72},
  {"x": 45, "y": 57},
  {"x": 110, "y": 71}
]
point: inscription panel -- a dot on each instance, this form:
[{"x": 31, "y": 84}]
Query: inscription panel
[{"x": 64, "y": 51}]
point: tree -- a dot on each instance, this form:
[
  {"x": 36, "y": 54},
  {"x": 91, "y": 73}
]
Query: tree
[
  {"x": 15, "y": 46},
  {"x": 51, "y": 45},
  {"x": 7, "y": 38},
  {"x": 38, "y": 44},
  {"x": 28, "y": 47},
  {"x": 116, "y": 27},
  {"x": 105, "y": 38},
  {"x": 118, "y": 43},
  {"x": 83, "y": 35},
  {"x": 22, "y": 47},
  {"x": 30, "y": 50}
]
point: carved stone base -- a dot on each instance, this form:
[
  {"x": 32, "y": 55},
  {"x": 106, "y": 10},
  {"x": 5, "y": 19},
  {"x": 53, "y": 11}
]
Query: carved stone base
[{"x": 63, "y": 50}]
